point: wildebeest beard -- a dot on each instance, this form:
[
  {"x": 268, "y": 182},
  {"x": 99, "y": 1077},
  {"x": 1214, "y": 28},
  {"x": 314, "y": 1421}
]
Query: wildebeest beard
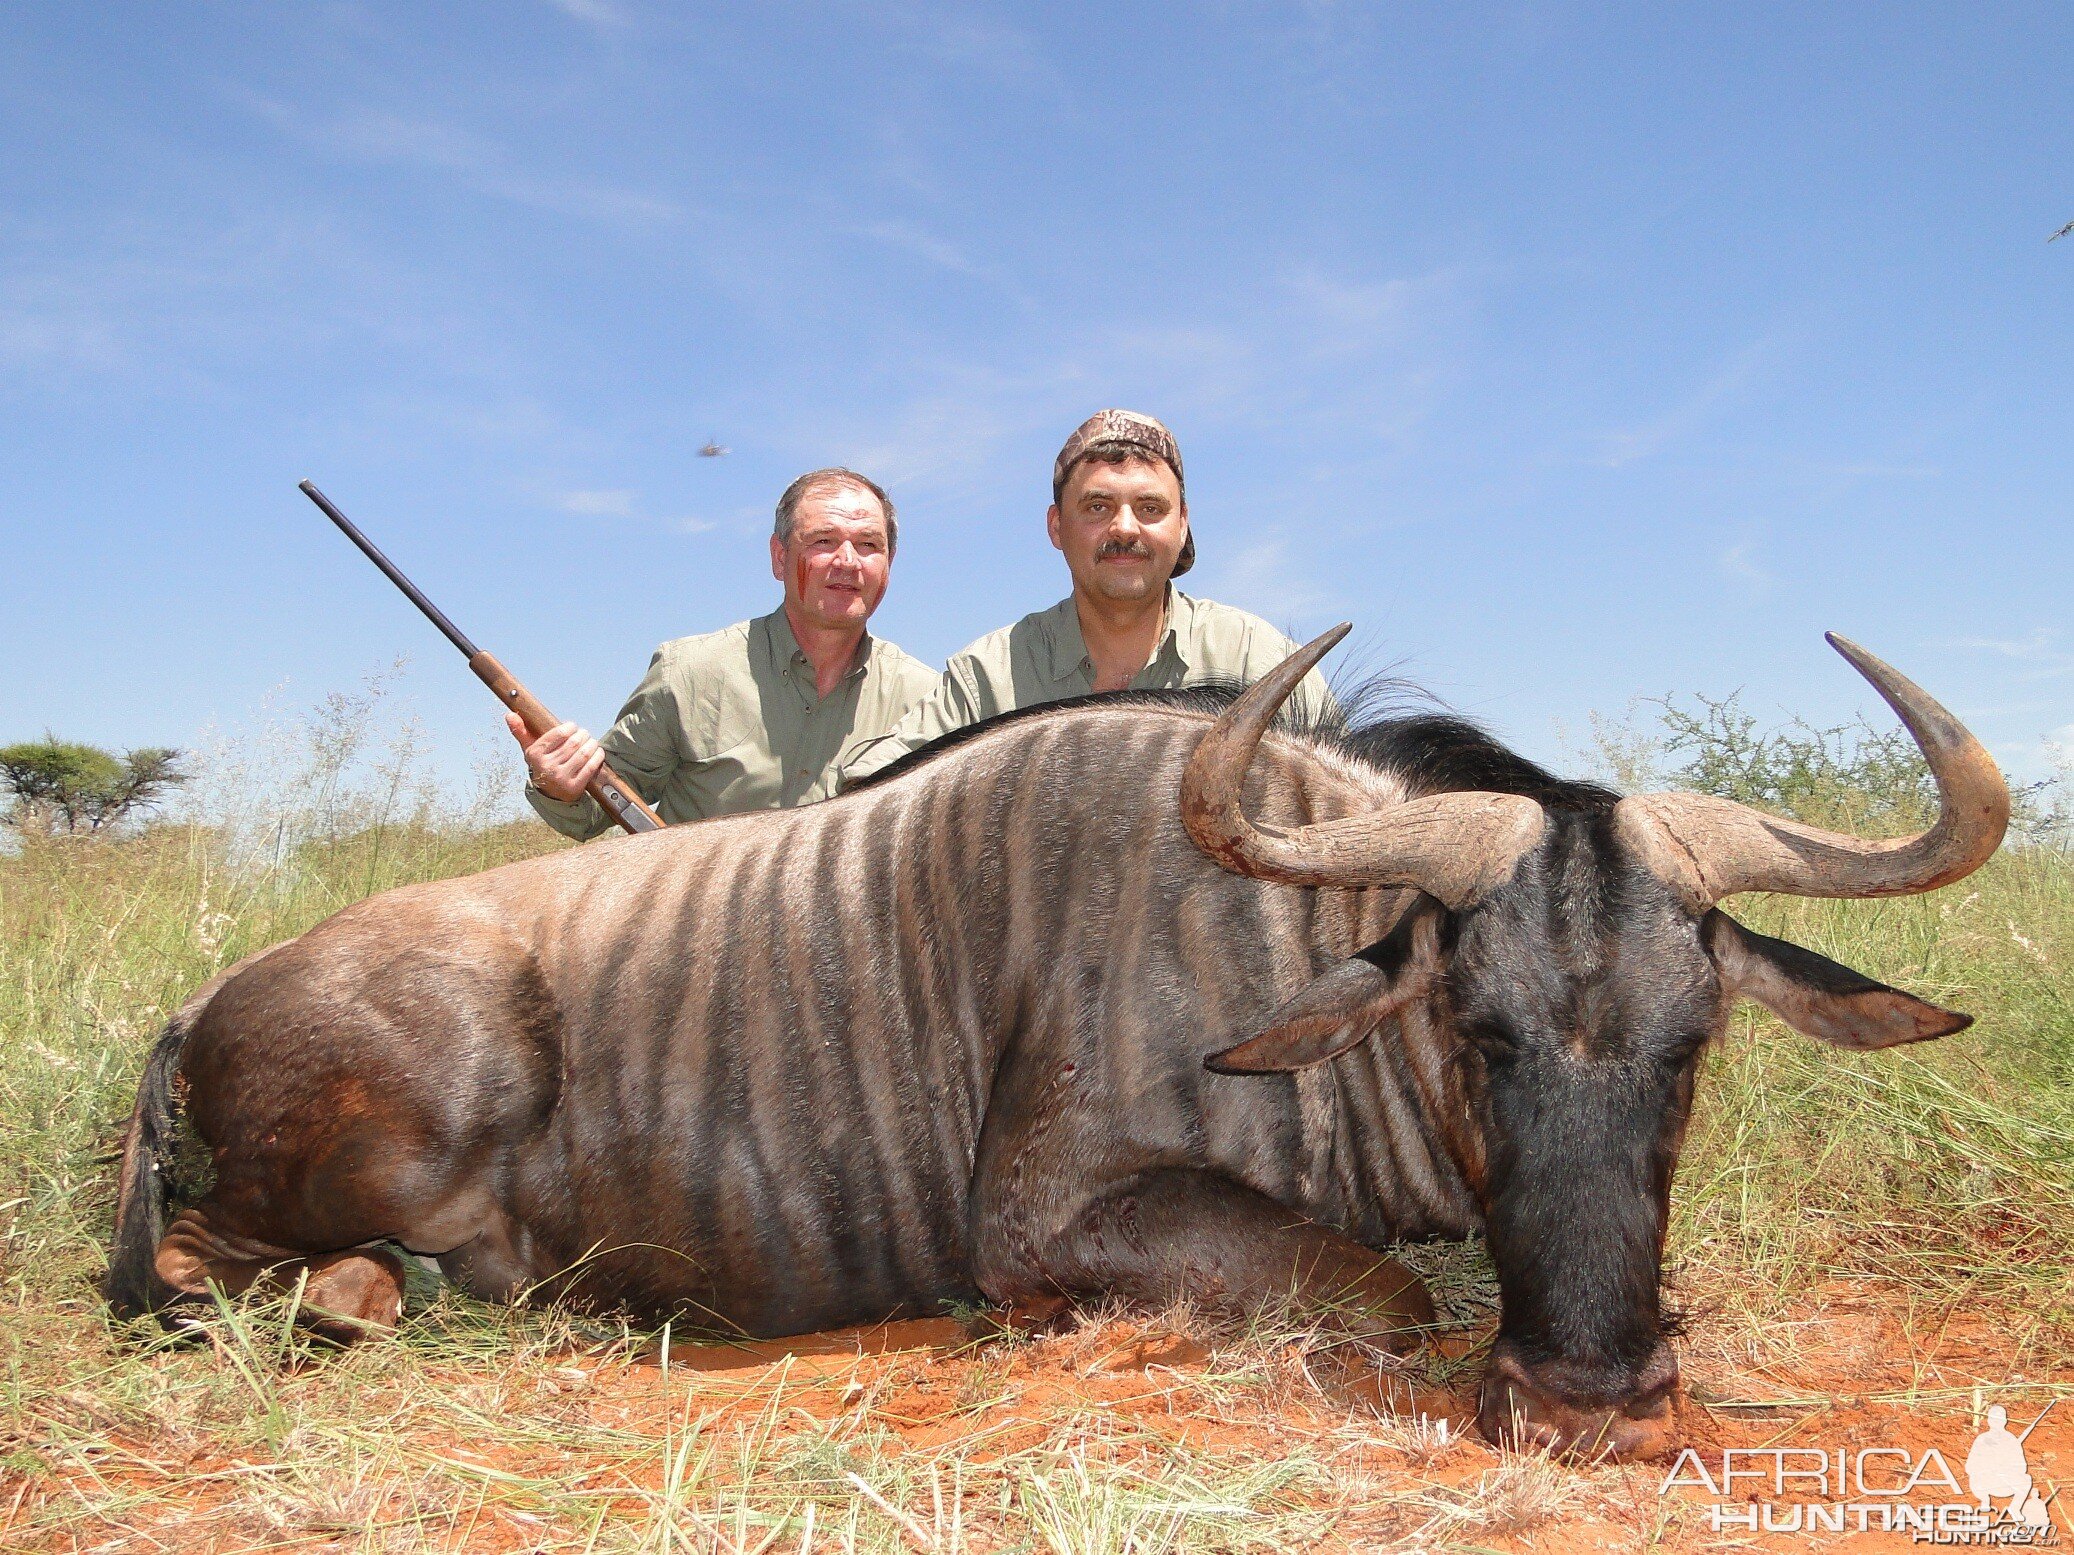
[{"x": 974, "y": 1029}]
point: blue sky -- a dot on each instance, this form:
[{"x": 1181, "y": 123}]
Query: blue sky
[{"x": 1574, "y": 352}]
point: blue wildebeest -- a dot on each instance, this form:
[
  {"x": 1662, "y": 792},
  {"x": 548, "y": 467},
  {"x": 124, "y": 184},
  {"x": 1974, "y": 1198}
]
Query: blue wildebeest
[{"x": 976, "y": 1028}]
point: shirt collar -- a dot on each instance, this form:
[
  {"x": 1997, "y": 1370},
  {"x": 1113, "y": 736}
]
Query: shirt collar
[
  {"x": 1180, "y": 626},
  {"x": 1066, "y": 647},
  {"x": 790, "y": 658}
]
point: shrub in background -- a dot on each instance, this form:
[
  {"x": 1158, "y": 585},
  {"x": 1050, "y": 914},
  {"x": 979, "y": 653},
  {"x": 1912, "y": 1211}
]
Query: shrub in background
[
  {"x": 56, "y": 785},
  {"x": 1854, "y": 777}
]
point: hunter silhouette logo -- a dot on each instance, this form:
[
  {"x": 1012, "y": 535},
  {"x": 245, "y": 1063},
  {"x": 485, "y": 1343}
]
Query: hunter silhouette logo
[
  {"x": 1996, "y": 1470},
  {"x": 1885, "y": 1489}
]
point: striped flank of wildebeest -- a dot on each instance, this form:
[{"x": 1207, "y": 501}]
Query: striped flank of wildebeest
[{"x": 780, "y": 1060}]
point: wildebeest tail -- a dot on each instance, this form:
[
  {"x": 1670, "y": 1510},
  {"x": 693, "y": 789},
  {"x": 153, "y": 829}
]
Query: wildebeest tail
[{"x": 133, "y": 1287}]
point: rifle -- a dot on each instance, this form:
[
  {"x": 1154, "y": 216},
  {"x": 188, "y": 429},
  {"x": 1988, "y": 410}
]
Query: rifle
[{"x": 608, "y": 787}]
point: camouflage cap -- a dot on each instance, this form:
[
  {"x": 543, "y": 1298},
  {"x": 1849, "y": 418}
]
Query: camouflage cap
[{"x": 1117, "y": 429}]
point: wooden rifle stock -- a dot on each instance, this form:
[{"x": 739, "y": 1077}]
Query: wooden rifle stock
[
  {"x": 608, "y": 787},
  {"x": 612, "y": 791}
]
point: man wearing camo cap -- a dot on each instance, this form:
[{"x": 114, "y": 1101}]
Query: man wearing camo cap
[{"x": 1119, "y": 513}]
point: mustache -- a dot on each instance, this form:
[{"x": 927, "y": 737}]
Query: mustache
[{"x": 1123, "y": 548}]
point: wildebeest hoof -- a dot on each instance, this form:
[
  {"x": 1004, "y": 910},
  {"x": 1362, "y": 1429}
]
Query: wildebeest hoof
[{"x": 353, "y": 1295}]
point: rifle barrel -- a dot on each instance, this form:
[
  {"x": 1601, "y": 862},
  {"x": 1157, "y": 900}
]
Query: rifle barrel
[
  {"x": 395, "y": 575},
  {"x": 612, "y": 791},
  {"x": 2041, "y": 1415}
]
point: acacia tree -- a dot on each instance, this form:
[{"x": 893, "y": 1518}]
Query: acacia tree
[{"x": 56, "y": 785}]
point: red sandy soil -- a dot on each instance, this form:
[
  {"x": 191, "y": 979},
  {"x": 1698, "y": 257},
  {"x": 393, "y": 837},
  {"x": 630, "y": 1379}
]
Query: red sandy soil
[
  {"x": 1862, "y": 1372},
  {"x": 1838, "y": 1391}
]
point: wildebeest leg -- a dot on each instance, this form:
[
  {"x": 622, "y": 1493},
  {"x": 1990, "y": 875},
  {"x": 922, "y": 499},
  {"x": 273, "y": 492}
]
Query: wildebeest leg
[
  {"x": 1179, "y": 1233},
  {"x": 346, "y": 1295}
]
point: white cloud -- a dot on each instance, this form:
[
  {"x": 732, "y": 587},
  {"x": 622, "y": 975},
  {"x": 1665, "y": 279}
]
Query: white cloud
[
  {"x": 56, "y": 320},
  {"x": 961, "y": 36},
  {"x": 598, "y": 504},
  {"x": 1263, "y": 574},
  {"x": 1739, "y": 562},
  {"x": 1877, "y": 471},
  {"x": 624, "y": 503},
  {"x": 948, "y": 436},
  {"x": 475, "y": 161},
  {"x": 922, "y": 244},
  {"x": 2037, "y": 645},
  {"x": 185, "y": 306},
  {"x": 1367, "y": 306},
  {"x": 1727, "y": 384},
  {"x": 2039, "y": 651},
  {"x": 601, "y": 14},
  {"x": 1340, "y": 357}
]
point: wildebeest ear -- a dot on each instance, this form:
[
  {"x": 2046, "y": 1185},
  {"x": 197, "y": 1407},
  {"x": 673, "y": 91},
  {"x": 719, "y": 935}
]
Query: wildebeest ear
[
  {"x": 1813, "y": 994},
  {"x": 1341, "y": 1007}
]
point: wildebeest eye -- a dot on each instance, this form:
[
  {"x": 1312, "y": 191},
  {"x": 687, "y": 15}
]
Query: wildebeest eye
[
  {"x": 1677, "y": 1048},
  {"x": 1498, "y": 1043}
]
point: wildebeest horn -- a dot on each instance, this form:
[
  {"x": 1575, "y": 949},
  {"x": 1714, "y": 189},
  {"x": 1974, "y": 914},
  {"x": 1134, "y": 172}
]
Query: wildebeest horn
[
  {"x": 1452, "y": 846},
  {"x": 1708, "y": 848}
]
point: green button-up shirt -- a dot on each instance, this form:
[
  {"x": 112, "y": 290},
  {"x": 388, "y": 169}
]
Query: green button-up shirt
[
  {"x": 731, "y": 721},
  {"x": 1043, "y": 658}
]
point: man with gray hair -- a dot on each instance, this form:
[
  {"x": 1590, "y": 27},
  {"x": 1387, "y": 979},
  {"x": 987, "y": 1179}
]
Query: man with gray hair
[
  {"x": 752, "y": 717},
  {"x": 1119, "y": 514}
]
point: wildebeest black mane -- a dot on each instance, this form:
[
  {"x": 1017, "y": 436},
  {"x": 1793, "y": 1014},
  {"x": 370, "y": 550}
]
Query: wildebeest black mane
[
  {"x": 1445, "y": 753},
  {"x": 1435, "y": 752}
]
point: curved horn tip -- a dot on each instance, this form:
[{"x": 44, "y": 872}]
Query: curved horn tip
[
  {"x": 1843, "y": 645},
  {"x": 1327, "y": 640},
  {"x": 1869, "y": 664},
  {"x": 1888, "y": 681},
  {"x": 1311, "y": 652}
]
